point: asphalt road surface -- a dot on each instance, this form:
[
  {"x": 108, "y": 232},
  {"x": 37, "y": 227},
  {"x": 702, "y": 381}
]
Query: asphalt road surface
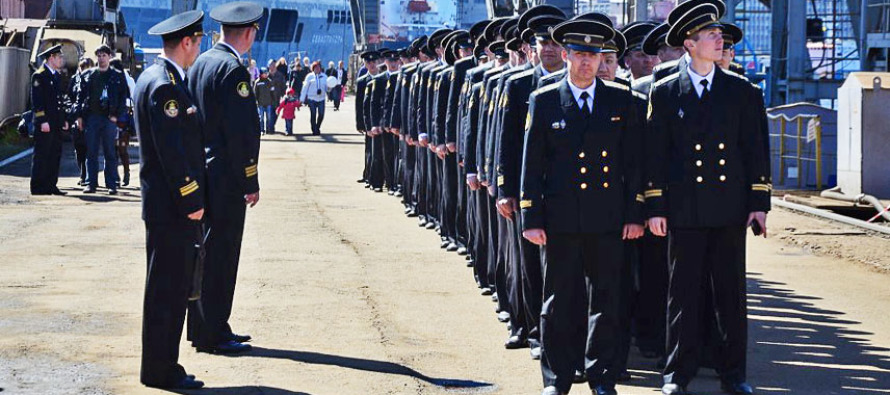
[{"x": 343, "y": 294}]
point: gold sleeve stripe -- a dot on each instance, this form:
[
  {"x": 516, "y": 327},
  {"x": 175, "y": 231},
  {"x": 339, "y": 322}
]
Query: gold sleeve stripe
[
  {"x": 500, "y": 181},
  {"x": 39, "y": 113},
  {"x": 188, "y": 188},
  {"x": 761, "y": 187},
  {"x": 653, "y": 193},
  {"x": 250, "y": 171},
  {"x": 525, "y": 203},
  {"x": 640, "y": 198}
]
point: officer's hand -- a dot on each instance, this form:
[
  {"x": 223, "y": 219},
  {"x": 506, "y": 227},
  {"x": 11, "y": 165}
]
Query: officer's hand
[
  {"x": 79, "y": 123},
  {"x": 361, "y": 131},
  {"x": 760, "y": 218},
  {"x": 375, "y": 131},
  {"x": 535, "y": 236},
  {"x": 658, "y": 226},
  {"x": 452, "y": 147},
  {"x": 423, "y": 141},
  {"x": 65, "y": 126},
  {"x": 632, "y": 232},
  {"x": 492, "y": 191},
  {"x": 473, "y": 182},
  {"x": 409, "y": 140},
  {"x": 197, "y": 215},
  {"x": 44, "y": 127},
  {"x": 113, "y": 119},
  {"x": 440, "y": 151},
  {"x": 506, "y": 207},
  {"x": 252, "y": 199},
  {"x": 395, "y": 131}
]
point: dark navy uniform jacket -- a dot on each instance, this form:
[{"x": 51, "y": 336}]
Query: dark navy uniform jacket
[
  {"x": 118, "y": 93},
  {"x": 455, "y": 93},
  {"x": 439, "y": 114},
  {"x": 582, "y": 174},
  {"x": 361, "y": 85},
  {"x": 220, "y": 85},
  {"x": 402, "y": 98},
  {"x": 47, "y": 99},
  {"x": 470, "y": 121},
  {"x": 171, "y": 145},
  {"x": 374, "y": 97},
  {"x": 708, "y": 165},
  {"x": 516, "y": 94},
  {"x": 496, "y": 122},
  {"x": 389, "y": 106}
]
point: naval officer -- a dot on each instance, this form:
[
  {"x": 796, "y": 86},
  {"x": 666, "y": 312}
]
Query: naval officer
[
  {"x": 220, "y": 84},
  {"x": 47, "y": 102},
  {"x": 173, "y": 191}
]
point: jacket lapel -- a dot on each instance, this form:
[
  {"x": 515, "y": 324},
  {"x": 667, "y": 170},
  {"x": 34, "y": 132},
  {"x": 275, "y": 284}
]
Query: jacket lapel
[{"x": 688, "y": 99}]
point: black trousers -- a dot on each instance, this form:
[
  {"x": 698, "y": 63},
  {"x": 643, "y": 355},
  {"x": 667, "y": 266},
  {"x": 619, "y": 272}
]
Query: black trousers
[
  {"x": 46, "y": 159},
  {"x": 493, "y": 231},
  {"x": 531, "y": 266},
  {"x": 461, "y": 228},
  {"x": 80, "y": 151},
  {"x": 651, "y": 307},
  {"x": 514, "y": 283},
  {"x": 449, "y": 193},
  {"x": 410, "y": 157},
  {"x": 505, "y": 257},
  {"x": 225, "y": 225},
  {"x": 366, "y": 172},
  {"x": 579, "y": 318},
  {"x": 171, "y": 253},
  {"x": 335, "y": 96},
  {"x": 378, "y": 162},
  {"x": 433, "y": 171},
  {"x": 697, "y": 255},
  {"x": 480, "y": 257},
  {"x": 389, "y": 159},
  {"x": 628, "y": 302},
  {"x": 420, "y": 178}
]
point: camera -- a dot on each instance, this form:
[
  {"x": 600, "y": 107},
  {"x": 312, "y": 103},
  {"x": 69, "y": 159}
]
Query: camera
[{"x": 318, "y": 91}]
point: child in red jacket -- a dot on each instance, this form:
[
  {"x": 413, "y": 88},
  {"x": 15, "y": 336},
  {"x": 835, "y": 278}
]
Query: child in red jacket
[{"x": 286, "y": 109}]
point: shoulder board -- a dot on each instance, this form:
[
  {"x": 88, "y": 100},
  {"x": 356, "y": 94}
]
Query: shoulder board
[
  {"x": 639, "y": 95},
  {"x": 642, "y": 80},
  {"x": 735, "y": 75},
  {"x": 524, "y": 74},
  {"x": 545, "y": 89},
  {"x": 668, "y": 78},
  {"x": 41, "y": 70},
  {"x": 616, "y": 85},
  {"x": 661, "y": 66}
]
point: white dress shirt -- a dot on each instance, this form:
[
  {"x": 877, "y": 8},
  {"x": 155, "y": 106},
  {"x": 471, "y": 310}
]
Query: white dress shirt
[
  {"x": 315, "y": 88},
  {"x": 697, "y": 79},
  {"x": 576, "y": 91}
]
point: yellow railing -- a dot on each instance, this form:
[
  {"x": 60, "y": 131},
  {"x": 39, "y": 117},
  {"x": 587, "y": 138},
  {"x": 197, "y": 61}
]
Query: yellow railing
[{"x": 800, "y": 137}]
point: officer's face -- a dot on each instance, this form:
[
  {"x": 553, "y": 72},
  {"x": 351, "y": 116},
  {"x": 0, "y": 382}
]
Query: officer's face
[
  {"x": 608, "y": 67},
  {"x": 639, "y": 63},
  {"x": 192, "y": 47},
  {"x": 104, "y": 59},
  {"x": 56, "y": 61},
  {"x": 583, "y": 65},
  {"x": 550, "y": 54},
  {"x": 464, "y": 52},
  {"x": 706, "y": 45},
  {"x": 667, "y": 54}
]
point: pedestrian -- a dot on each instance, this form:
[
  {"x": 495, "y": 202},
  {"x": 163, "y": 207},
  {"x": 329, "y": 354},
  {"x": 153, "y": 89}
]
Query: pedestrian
[
  {"x": 102, "y": 100},
  {"x": 77, "y": 133},
  {"x": 124, "y": 126},
  {"x": 48, "y": 106},
  {"x": 220, "y": 85},
  {"x": 254, "y": 71},
  {"x": 279, "y": 87},
  {"x": 297, "y": 75},
  {"x": 705, "y": 141},
  {"x": 262, "y": 88},
  {"x": 335, "y": 94},
  {"x": 314, "y": 93},
  {"x": 343, "y": 78},
  {"x": 581, "y": 198},
  {"x": 173, "y": 198},
  {"x": 286, "y": 108}
]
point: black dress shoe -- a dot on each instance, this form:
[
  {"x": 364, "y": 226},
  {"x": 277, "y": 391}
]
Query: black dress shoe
[
  {"x": 239, "y": 338},
  {"x": 421, "y": 222},
  {"x": 188, "y": 382},
  {"x": 112, "y": 191},
  {"x": 452, "y": 247},
  {"x": 58, "y": 192},
  {"x": 89, "y": 190},
  {"x": 430, "y": 225},
  {"x": 535, "y": 353},
  {"x": 673, "y": 389},
  {"x": 737, "y": 388},
  {"x": 378, "y": 189},
  {"x": 580, "y": 377},
  {"x": 228, "y": 347},
  {"x": 515, "y": 343},
  {"x": 412, "y": 214},
  {"x": 503, "y": 316},
  {"x": 623, "y": 376},
  {"x": 604, "y": 390},
  {"x": 487, "y": 291},
  {"x": 360, "y": 180},
  {"x": 462, "y": 251}
]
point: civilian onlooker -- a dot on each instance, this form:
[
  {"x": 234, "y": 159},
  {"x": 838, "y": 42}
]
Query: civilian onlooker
[
  {"x": 314, "y": 92},
  {"x": 286, "y": 108},
  {"x": 281, "y": 66},
  {"x": 254, "y": 71},
  {"x": 336, "y": 94},
  {"x": 279, "y": 86},
  {"x": 125, "y": 125},
  {"x": 306, "y": 64},
  {"x": 262, "y": 89},
  {"x": 298, "y": 75},
  {"x": 344, "y": 78},
  {"x": 77, "y": 132},
  {"x": 101, "y": 102}
]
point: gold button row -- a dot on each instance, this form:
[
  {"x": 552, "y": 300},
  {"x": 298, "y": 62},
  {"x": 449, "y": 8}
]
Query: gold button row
[
  {"x": 720, "y": 146},
  {"x": 700, "y": 179},
  {"x": 584, "y": 185}
]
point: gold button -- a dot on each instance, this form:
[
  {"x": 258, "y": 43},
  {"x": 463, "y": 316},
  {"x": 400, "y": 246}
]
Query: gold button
[
  {"x": 583, "y": 185},
  {"x": 698, "y": 147},
  {"x": 605, "y": 185},
  {"x": 583, "y": 170},
  {"x": 721, "y": 146},
  {"x": 698, "y": 163},
  {"x": 605, "y": 169},
  {"x": 605, "y": 154},
  {"x": 699, "y": 179},
  {"x": 581, "y": 155},
  {"x": 722, "y": 162},
  {"x": 187, "y": 179},
  {"x": 722, "y": 178}
]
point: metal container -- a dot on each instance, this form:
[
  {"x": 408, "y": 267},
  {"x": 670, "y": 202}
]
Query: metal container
[
  {"x": 14, "y": 81},
  {"x": 864, "y": 134}
]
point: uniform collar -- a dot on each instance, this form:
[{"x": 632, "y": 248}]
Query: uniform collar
[
  {"x": 576, "y": 91},
  {"x": 51, "y": 70},
  {"x": 696, "y": 79},
  {"x": 175, "y": 66},
  {"x": 231, "y": 48}
]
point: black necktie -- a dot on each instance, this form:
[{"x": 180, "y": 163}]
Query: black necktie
[
  {"x": 704, "y": 90},
  {"x": 585, "y": 109}
]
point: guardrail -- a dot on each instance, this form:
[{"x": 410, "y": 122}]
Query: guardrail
[{"x": 813, "y": 128}]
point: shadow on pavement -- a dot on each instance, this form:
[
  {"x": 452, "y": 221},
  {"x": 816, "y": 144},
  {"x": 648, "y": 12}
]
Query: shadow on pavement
[
  {"x": 367, "y": 365},
  {"x": 240, "y": 390}
]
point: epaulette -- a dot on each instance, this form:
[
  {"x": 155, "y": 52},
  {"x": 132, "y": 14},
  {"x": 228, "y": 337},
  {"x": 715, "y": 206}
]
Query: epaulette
[
  {"x": 617, "y": 85},
  {"x": 40, "y": 70},
  {"x": 639, "y": 95},
  {"x": 545, "y": 89},
  {"x": 736, "y": 75},
  {"x": 524, "y": 74},
  {"x": 662, "y": 66},
  {"x": 667, "y": 78},
  {"x": 642, "y": 80}
]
